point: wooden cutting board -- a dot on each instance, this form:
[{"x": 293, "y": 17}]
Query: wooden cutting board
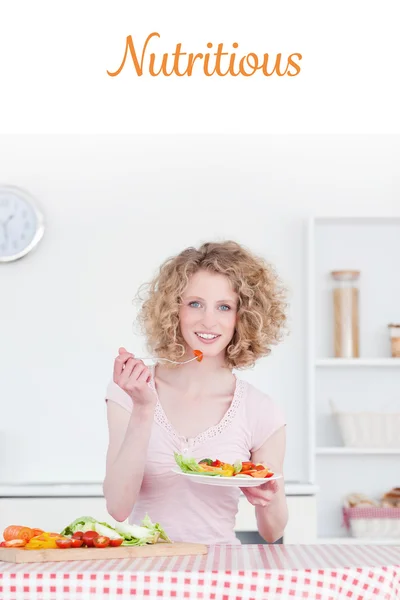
[{"x": 20, "y": 555}]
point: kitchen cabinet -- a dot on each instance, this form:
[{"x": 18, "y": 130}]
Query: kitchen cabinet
[
  {"x": 53, "y": 507},
  {"x": 366, "y": 384}
]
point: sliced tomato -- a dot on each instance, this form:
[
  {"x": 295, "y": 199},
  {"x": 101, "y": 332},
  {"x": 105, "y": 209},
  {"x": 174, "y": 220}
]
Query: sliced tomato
[
  {"x": 216, "y": 463},
  {"x": 64, "y": 543},
  {"x": 247, "y": 466},
  {"x": 2, "y": 544},
  {"x": 15, "y": 543},
  {"x": 199, "y": 355},
  {"x": 101, "y": 542},
  {"x": 88, "y": 537},
  {"x": 117, "y": 542},
  {"x": 78, "y": 535},
  {"x": 76, "y": 542}
]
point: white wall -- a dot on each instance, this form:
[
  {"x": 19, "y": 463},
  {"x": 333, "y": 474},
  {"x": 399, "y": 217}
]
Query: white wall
[{"x": 116, "y": 207}]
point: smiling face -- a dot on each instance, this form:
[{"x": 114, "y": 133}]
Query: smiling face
[{"x": 208, "y": 313}]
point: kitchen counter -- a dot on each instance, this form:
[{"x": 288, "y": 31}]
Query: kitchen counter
[
  {"x": 225, "y": 573},
  {"x": 94, "y": 490}
]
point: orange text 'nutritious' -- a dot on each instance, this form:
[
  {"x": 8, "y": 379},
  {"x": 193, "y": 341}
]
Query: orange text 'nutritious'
[{"x": 220, "y": 62}]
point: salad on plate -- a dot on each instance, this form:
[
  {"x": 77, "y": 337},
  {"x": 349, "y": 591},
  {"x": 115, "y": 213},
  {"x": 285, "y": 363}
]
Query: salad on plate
[{"x": 218, "y": 468}]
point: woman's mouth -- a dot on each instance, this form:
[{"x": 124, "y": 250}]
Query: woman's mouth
[{"x": 207, "y": 338}]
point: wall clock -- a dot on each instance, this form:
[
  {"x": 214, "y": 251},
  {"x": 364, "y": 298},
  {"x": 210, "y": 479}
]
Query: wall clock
[{"x": 21, "y": 223}]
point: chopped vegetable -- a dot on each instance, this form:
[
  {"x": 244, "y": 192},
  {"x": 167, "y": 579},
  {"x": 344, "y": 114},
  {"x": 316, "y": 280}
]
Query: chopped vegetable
[
  {"x": 78, "y": 535},
  {"x": 15, "y": 543},
  {"x": 237, "y": 467},
  {"x": 190, "y": 465},
  {"x": 206, "y": 466},
  {"x": 64, "y": 543},
  {"x": 101, "y": 541},
  {"x": 199, "y": 355},
  {"x": 82, "y": 524},
  {"x": 107, "y": 531},
  {"x": 88, "y": 529},
  {"x": 147, "y": 533},
  {"x": 88, "y": 538},
  {"x": 115, "y": 543},
  {"x": 43, "y": 541},
  {"x": 17, "y": 532}
]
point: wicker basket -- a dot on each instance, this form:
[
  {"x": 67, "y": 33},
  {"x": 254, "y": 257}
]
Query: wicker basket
[
  {"x": 369, "y": 429},
  {"x": 372, "y": 522}
]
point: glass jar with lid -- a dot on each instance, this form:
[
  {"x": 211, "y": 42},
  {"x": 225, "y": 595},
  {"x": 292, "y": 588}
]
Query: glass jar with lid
[
  {"x": 346, "y": 314},
  {"x": 394, "y": 332}
]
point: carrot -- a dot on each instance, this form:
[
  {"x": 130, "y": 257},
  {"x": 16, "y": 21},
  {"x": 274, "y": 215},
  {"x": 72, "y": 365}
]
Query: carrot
[
  {"x": 262, "y": 474},
  {"x": 17, "y": 532},
  {"x": 15, "y": 543}
]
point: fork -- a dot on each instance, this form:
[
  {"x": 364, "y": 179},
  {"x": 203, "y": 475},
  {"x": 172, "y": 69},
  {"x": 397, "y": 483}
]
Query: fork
[{"x": 174, "y": 362}]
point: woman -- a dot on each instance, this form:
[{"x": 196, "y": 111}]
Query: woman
[{"x": 228, "y": 303}]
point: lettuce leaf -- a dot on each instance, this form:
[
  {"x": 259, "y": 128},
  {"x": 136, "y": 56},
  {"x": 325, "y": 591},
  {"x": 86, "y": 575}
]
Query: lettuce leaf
[
  {"x": 190, "y": 465},
  {"x": 155, "y": 527},
  {"x": 237, "y": 466},
  {"x": 133, "y": 535},
  {"x": 80, "y": 524},
  {"x": 139, "y": 535},
  {"x": 187, "y": 465}
]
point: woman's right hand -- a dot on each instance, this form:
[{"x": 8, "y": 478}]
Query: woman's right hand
[{"x": 133, "y": 376}]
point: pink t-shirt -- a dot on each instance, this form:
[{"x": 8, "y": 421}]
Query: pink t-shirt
[{"x": 188, "y": 511}]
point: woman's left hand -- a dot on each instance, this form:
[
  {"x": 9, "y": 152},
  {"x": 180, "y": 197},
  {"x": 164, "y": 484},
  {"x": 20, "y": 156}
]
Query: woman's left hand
[{"x": 261, "y": 495}]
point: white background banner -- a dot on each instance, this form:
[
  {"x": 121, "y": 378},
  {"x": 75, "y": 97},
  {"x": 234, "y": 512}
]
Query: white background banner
[{"x": 55, "y": 56}]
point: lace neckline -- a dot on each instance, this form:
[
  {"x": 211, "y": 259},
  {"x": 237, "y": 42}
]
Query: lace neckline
[{"x": 161, "y": 418}]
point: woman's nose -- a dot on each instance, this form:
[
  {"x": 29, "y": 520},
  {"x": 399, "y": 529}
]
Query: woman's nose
[{"x": 209, "y": 319}]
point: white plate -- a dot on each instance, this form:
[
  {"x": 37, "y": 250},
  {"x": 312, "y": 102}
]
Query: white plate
[{"x": 247, "y": 481}]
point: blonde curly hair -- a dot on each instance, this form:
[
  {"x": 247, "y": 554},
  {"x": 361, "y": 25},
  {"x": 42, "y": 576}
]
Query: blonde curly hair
[{"x": 261, "y": 302}]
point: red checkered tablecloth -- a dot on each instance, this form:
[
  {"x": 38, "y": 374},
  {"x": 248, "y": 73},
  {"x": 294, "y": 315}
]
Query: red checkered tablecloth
[{"x": 247, "y": 572}]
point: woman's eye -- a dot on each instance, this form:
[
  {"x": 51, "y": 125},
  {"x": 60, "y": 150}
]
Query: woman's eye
[
  {"x": 225, "y": 307},
  {"x": 194, "y": 304}
]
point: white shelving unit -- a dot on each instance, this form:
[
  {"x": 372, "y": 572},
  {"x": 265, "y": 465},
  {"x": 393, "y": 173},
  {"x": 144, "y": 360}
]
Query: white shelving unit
[
  {"x": 346, "y": 450},
  {"x": 358, "y": 362},
  {"x": 369, "y": 383}
]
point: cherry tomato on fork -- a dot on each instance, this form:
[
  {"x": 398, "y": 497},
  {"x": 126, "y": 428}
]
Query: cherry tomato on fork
[{"x": 199, "y": 355}]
